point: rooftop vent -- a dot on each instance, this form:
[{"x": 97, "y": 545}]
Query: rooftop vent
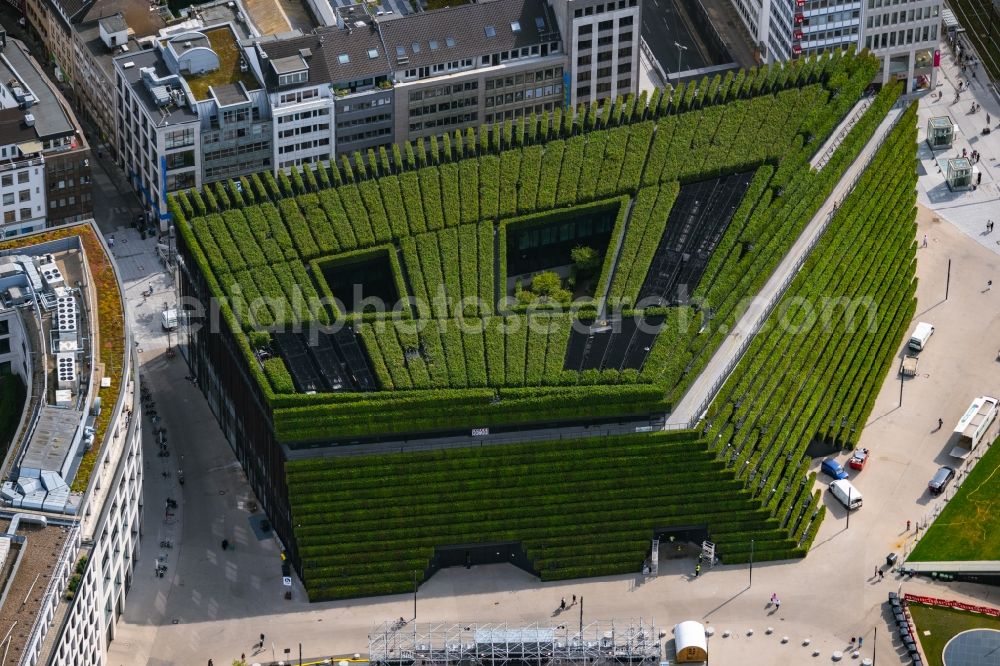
[
  {"x": 29, "y": 120},
  {"x": 128, "y": 65},
  {"x": 305, "y": 53}
]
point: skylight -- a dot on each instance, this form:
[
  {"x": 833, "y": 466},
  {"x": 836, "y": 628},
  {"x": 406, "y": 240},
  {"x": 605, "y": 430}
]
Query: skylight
[
  {"x": 400, "y": 51},
  {"x": 449, "y": 42},
  {"x": 491, "y": 31},
  {"x": 416, "y": 47},
  {"x": 344, "y": 58},
  {"x": 540, "y": 23},
  {"x": 515, "y": 26},
  {"x": 433, "y": 44},
  {"x": 372, "y": 53}
]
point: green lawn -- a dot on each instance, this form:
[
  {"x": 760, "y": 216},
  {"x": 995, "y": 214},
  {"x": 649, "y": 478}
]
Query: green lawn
[
  {"x": 943, "y": 624},
  {"x": 969, "y": 527}
]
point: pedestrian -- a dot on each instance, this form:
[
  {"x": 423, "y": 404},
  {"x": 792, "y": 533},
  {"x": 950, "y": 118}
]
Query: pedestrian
[
  {"x": 989, "y": 285},
  {"x": 987, "y": 119},
  {"x": 111, "y": 240},
  {"x": 881, "y": 575},
  {"x": 979, "y": 179},
  {"x": 262, "y": 641},
  {"x": 774, "y": 596},
  {"x": 243, "y": 656},
  {"x": 907, "y": 526},
  {"x": 777, "y": 603},
  {"x": 225, "y": 545},
  {"x": 562, "y": 604},
  {"x": 697, "y": 570},
  {"x": 925, "y": 241},
  {"x": 574, "y": 600},
  {"x": 861, "y": 640},
  {"x": 210, "y": 662}
]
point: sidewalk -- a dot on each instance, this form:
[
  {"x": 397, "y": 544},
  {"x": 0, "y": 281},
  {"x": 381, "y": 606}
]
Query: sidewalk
[
  {"x": 968, "y": 211},
  {"x": 704, "y": 388}
]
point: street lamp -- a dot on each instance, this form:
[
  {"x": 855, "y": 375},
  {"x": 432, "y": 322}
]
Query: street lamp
[{"x": 680, "y": 51}]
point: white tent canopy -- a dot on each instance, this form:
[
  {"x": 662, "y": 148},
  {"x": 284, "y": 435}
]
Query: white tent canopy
[{"x": 690, "y": 642}]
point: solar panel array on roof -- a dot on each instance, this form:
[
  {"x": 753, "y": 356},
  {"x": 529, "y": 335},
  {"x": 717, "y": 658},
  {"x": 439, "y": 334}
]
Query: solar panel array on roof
[{"x": 325, "y": 363}]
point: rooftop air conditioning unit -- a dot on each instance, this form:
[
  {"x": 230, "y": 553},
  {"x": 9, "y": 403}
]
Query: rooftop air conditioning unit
[{"x": 29, "y": 120}]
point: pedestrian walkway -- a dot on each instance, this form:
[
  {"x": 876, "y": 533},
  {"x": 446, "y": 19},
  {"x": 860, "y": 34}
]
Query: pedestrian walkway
[
  {"x": 968, "y": 210},
  {"x": 696, "y": 400}
]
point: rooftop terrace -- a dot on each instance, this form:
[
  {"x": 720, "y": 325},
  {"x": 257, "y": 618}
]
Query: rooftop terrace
[{"x": 225, "y": 45}]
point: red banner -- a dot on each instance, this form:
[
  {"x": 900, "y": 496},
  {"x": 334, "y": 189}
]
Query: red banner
[{"x": 945, "y": 603}]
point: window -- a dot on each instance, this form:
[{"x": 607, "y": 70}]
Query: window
[
  {"x": 24, "y": 195},
  {"x": 8, "y": 198},
  {"x": 586, "y": 29},
  {"x": 540, "y": 23},
  {"x": 9, "y": 216},
  {"x": 449, "y": 42},
  {"x": 605, "y": 25},
  {"x": 372, "y": 54},
  {"x": 293, "y": 78},
  {"x": 433, "y": 44},
  {"x": 343, "y": 58},
  {"x": 415, "y": 46},
  {"x": 25, "y": 214},
  {"x": 178, "y": 139},
  {"x": 22, "y": 177},
  {"x": 490, "y": 31},
  {"x": 515, "y": 26},
  {"x": 625, "y": 20},
  {"x": 583, "y": 91},
  {"x": 7, "y": 180}
]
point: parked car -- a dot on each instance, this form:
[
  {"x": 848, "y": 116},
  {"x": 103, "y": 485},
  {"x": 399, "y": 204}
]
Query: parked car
[
  {"x": 831, "y": 467},
  {"x": 168, "y": 319},
  {"x": 940, "y": 480},
  {"x": 859, "y": 459}
]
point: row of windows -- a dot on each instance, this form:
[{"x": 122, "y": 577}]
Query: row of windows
[
  {"x": 305, "y": 145},
  {"x": 370, "y": 134},
  {"x": 600, "y": 9},
  {"x": 298, "y": 96},
  {"x": 601, "y": 88},
  {"x": 180, "y": 181},
  {"x": 605, "y": 72},
  {"x": 8, "y": 179},
  {"x": 603, "y": 56},
  {"x": 510, "y": 114},
  {"x": 378, "y": 118},
  {"x": 361, "y": 106},
  {"x": 444, "y": 106},
  {"x": 900, "y": 37},
  {"x": 9, "y": 217},
  {"x": 873, "y": 4},
  {"x": 527, "y": 77},
  {"x": 443, "y": 91},
  {"x": 22, "y": 196},
  {"x": 178, "y": 139},
  {"x": 444, "y": 122},
  {"x": 305, "y": 115},
  {"x": 241, "y": 149},
  {"x": 918, "y": 14},
  {"x": 607, "y": 40},
  {"x": 521, "y": 95},
  {"x": 835, "y": 35},
  {"x": 69, "y": 201},
  {"x": 833, "y": 17},
  {"x": 217, "y": 173},
  {"x": 305, "y": 129}
]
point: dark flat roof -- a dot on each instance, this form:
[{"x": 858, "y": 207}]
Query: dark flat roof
[
  {"x": 133, "y": 75},
  {"x": 51, "y": 119},
  {"x": 13, "y": 129}
]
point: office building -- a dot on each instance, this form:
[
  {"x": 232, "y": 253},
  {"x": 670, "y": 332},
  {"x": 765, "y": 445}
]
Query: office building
[
  {"x": 71, "y": 499},
  {"x": 191, "y": 110}
]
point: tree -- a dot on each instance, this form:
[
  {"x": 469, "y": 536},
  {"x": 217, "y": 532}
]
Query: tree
[{"x": 586, "y": 259}]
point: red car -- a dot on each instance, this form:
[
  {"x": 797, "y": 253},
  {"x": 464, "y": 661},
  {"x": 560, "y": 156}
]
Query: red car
[{"x": 859, "y": 459}]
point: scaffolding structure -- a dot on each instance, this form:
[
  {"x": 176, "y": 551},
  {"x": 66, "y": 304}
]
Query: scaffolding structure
[{"x": 596, "y": 644}]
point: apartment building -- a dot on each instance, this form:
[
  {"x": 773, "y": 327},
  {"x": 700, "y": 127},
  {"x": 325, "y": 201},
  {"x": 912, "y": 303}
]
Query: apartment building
[
  {"x": 68, "y": 532},
  {"x": 191, "y": 109},
  {"x": 44, "y": 159}
]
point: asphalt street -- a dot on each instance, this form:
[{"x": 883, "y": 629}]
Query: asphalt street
[{"x": 662, "y": 27}]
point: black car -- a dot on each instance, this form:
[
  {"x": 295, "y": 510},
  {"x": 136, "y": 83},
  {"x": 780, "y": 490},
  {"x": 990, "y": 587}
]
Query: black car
[{"x": 941, "y": 479}]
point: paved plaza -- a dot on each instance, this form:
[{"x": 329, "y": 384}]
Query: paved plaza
[{"x": 215, "y": 604}]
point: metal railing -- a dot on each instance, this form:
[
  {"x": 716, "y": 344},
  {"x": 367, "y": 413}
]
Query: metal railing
[{"x": 779, "y": 293}]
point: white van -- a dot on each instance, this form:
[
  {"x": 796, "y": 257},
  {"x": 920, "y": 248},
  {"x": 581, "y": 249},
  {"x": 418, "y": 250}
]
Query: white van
[
  {"x": 168, "y": 319},
  {"x": 846, "y": 494},
  {"x": 921, "y": 334}
]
